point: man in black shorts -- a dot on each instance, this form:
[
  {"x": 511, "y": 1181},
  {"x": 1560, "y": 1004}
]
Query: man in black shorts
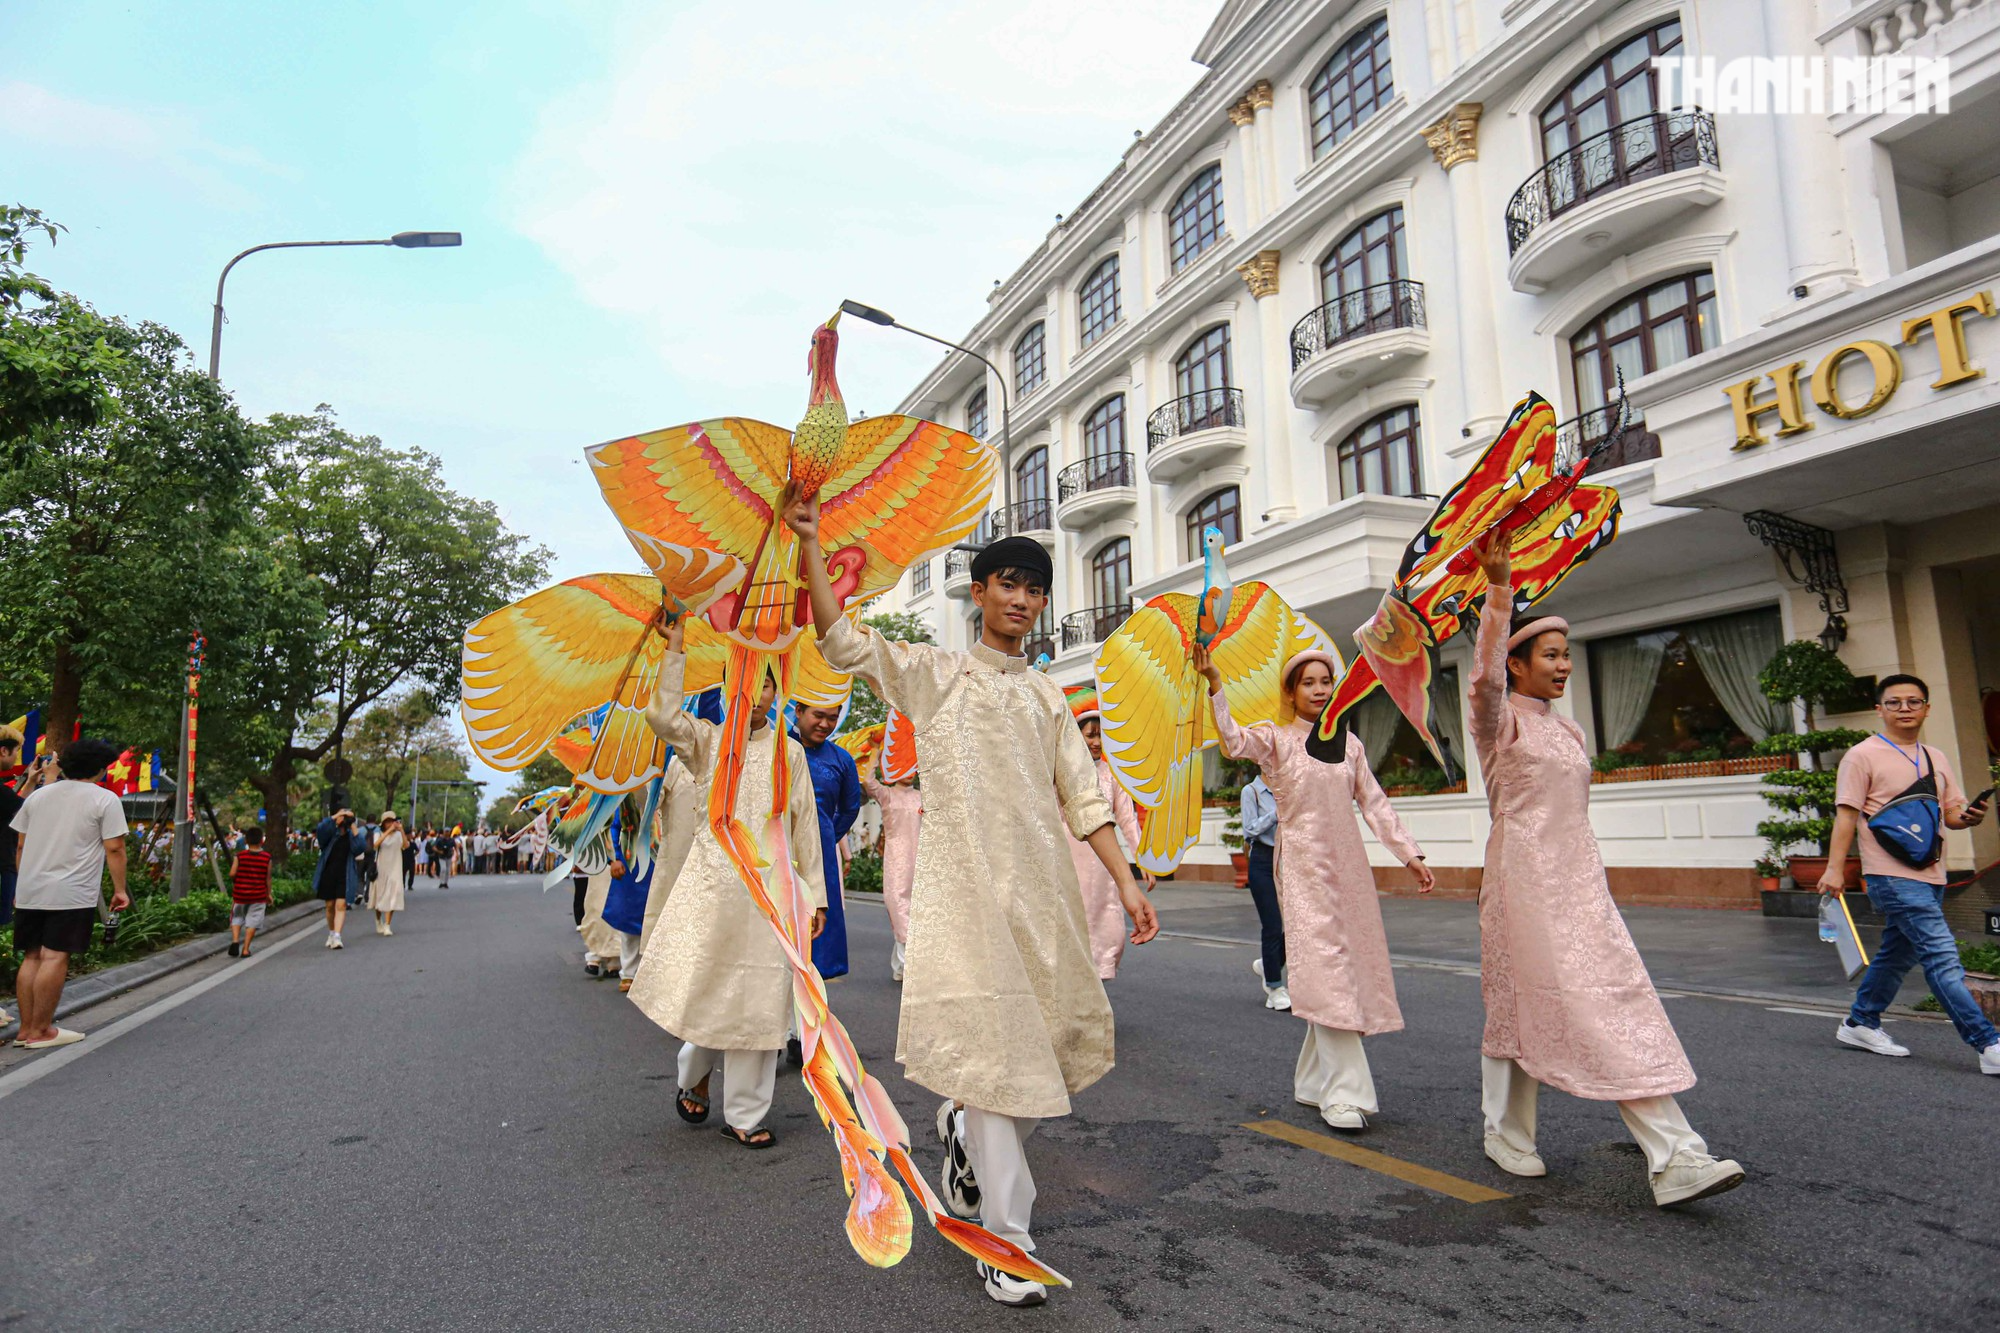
[{"x": 71, "y": 831}]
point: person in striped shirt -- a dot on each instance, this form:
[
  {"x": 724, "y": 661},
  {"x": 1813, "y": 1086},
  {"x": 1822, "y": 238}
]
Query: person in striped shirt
[{"x": 249, "y": 891}]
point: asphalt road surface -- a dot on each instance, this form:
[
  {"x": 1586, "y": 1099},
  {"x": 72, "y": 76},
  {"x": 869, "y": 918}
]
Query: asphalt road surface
[{"x": 456, "y": 1129}]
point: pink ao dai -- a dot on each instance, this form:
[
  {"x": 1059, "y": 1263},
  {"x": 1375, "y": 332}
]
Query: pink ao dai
[
  {"x": 1567, "y": 997},
  {"x": 1103, "y": 913},
  {"x": 1336, "y": 952},
  {"x": 902, "y": 815}
]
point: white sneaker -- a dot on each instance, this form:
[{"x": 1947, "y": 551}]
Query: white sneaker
[
  {"x": 1010, "y": 1290},
  {"x": 1692, "y": 1175},
  {"x": 330, "y": 938},
  {"x": 961, "y": 1187},
  {"x": 1349, "y": 1118},
  {"x": 1871, "y": 1039},
  {"x": 1277, "y": 997},
  {"x": 1989, "y": 1059},
  {"x": 336, "y": 944},
  {"x": 1257, "y": 965},
  {"x": 387, "y": 931},
  {"x": 1512, "y": 1160}
]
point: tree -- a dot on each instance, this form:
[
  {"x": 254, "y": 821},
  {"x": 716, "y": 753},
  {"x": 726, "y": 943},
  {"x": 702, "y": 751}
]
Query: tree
[
  {"x": 119, "y": 529},
  {"x": 865, "y": 708},
  {"x": 396, "y": 740},
  {"x": 542, "y": 772},
  {"x": 54, "y": 357},
  {"x": 403, "y": 564}
]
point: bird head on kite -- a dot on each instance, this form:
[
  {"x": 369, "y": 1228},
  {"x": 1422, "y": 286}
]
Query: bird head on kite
[
  {"x": 1216, "y": 588},
  {"x": 819, "y": 363}
]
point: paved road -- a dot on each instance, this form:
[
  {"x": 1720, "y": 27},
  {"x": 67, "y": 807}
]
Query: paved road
[{"x": 455, "y": 1129}]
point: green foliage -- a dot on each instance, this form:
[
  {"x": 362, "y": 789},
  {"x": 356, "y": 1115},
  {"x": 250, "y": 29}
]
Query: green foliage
[
  {"x": 400, "y": 738},
  {"x": 1980, "y": 957},
  {"x": 865, "y": 709},
  {"x": 1806, "y": 672},
  {"x": 864, "y": 873},
  {"x": 54, "y": 360},
  {"x": 1811, "y": 742}
]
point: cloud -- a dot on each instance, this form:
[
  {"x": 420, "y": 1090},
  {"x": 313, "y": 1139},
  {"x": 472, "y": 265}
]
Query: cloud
[
  {"x": 156, "y": 142},
  {"x": 730, "y": 178}
]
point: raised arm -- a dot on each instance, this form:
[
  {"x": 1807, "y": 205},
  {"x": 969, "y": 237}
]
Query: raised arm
[
  {"x": 691, "y": 737},
  {"x": 802, "y": 517},
  {"x": 876, "y": 792},
  {"x": 1259, "y": 745},
  {"x": 1490, "y": 720}
]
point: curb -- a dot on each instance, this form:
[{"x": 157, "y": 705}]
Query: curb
[{"x": 97, "y": 987}]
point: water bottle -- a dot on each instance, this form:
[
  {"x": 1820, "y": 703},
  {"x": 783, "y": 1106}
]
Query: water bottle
[
  {"x": 1828, "y": 933},
  {"x": 110, "y": 929}
]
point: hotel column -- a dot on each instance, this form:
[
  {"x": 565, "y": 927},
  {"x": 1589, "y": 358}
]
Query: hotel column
[
  {"x": 1454, "y": 142},
  {"x": 1260, "y": 274}
]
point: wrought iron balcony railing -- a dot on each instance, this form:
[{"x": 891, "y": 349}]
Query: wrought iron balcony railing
[
  {"x": 1036, "y": 515},
  {"x": 1038, "y": 647},
  {"x": 1585, "y": 432},
  {"x": 1646, "y": 146},
  {"x": 1207, "y": 410},
  {"x": 957, "y": 565},
  {"x": 1376, "y": 309},
  {"x": 1099, "y": 472},
  {"x": 1091, "y": 625}
]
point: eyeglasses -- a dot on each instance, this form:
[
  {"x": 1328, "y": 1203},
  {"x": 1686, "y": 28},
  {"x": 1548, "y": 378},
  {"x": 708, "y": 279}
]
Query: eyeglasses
[{"x": 1904, "y": 705}]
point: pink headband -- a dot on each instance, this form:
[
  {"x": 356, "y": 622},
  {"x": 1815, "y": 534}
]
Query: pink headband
[
  {"x": 1297, "y": 660},
  {"x": 1528, "y": 631}
]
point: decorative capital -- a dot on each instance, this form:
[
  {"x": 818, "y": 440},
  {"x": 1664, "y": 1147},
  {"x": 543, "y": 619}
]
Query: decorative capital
[
  {"x": 1261, "y": 274},
  {"x": 1455, "y": 138},
  {"x": 1259, "y": 95},
  {"x": 1241, "y": 112}
]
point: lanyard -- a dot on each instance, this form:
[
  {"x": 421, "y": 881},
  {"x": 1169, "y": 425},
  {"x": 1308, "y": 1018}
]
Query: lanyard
[{"x": 1918, "y": 761}]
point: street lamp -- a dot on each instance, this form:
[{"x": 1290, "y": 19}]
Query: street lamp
[
  {"x": 884, "y": 318},
  {"x": 402, "y": 240}
]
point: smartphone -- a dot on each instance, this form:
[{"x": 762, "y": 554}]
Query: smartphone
[{"x": 1984, "y": 796}]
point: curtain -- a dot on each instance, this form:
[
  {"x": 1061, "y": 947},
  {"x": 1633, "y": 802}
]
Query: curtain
[
  {"x": 1375, "y": 722},
  {"x": 1451, "y": 716},
  {"x": 1731, "y": 650},
  {"x": 1625, "y": 670}
]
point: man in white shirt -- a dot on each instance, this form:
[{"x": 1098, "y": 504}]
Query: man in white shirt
[{"x": 70, "y": 832}]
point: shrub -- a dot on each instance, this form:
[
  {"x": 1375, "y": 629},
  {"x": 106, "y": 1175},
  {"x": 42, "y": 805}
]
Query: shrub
[
  {"x": 1804, "y": 672},
  {"x": 864, "y": 873}
]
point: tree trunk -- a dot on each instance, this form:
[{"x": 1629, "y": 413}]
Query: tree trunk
[
  {"x": 274, "y": 786},
  {"x": 65, "y": 698}
]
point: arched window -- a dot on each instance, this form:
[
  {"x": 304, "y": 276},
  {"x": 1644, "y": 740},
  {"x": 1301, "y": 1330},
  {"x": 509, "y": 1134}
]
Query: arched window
[
  {"x": 1031, "y": 491},
  {"x": 1369, "y": 256},
  {"x": 1195, "y": 221},
  {"x": 1030, "y": 361},
  {"x": 1111, "y": 575},
  {"x": 1619, "y": 87},
  {"x": 1350, "y": 87},
  {"x": 1099, "y": 300},
  {"x": 1221, "y": 509},
  {"x": 1203, "y": 364},
  {"x": 975, "y": 415},
  {"x": 1380, "y": 456},
  {"x": 1647, "y": 331},
  {"x": 1104, "y": 429}
]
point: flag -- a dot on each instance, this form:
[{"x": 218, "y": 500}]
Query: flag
[
  {"x": 150, "y": 773},
  {"x": 123, "y": 775},
  {"x": 29, "y": 724}
]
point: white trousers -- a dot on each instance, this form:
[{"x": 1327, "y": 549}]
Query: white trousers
[
  {"x": 896, "y": 956},
  {"x": 749, "y": 1079},
  {"x": 997, "y": 1147},
  {"x": 1507, "y": 1096},
  {"x": 1333, "y": 1071},
  {"x": 628, "y": 954}
]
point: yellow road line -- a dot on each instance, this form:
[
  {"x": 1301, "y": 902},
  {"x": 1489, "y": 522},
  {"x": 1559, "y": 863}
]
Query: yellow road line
[{"x": 1462, "y": 1190}]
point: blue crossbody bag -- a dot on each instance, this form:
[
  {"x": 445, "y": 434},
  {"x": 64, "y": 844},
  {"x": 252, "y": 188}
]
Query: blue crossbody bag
[{"x": 1911, "y": 826}]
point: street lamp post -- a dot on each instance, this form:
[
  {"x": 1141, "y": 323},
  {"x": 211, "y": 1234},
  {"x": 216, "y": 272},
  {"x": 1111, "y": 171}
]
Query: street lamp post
[
  {"x": 887, "y": 320},
  {"x": 403, "y": 240}
]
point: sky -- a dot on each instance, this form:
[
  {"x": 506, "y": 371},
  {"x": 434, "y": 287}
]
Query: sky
[{"x": 659, "y": 200}]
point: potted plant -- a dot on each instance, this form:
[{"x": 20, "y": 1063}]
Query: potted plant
[
  {"x": 1768, "y": 874},
  {"x": 1239, "y": 856},
  {"x": 1982, "y": 976},
  {"x": 1808, "y": 675}
]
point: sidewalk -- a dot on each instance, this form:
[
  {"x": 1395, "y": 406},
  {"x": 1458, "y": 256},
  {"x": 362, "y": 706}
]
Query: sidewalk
[{"x": 1729, "y": 953}]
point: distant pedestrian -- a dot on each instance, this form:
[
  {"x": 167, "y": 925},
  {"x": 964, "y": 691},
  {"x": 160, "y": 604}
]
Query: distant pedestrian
[
  {"x": 1260, "y": 841},
  {"x": 249, "y": 892},
  {"x": 10, "y": 801},
  {"x": 444, "y": 848},
  {"x": 337, "y": 878},
  {"x": 387, "y": 896},
  {"x": 1902, "y": 863},
  {"x": 72, "y": 831},
  {"x": 423, "y": 851}
]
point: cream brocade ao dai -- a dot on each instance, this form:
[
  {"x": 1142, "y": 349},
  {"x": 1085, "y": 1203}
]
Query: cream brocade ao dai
[
  {"x": 1002, "y": 1007},
  {"x": 683, "y": 810},
  {"x": 1336, "y": 952},
  {"x": 715, "y": 974},
  {"x": 1567, "y": 996},
  {"x": 1103, "y": 913}
]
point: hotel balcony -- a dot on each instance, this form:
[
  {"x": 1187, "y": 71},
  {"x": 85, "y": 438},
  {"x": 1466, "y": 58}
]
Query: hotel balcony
[
  {"x": 1352, "y": 342},
  {"x": 1032, "y": 518},
  {"x": 1099, "y": 485},
  {"x": 958, "y": 574},
  {"x": 1591, "y": 429},
  {"x": 1599, "y": 196},
  {"x": 1092, "y": 625},
  {"x": 1192, "y": 432}
]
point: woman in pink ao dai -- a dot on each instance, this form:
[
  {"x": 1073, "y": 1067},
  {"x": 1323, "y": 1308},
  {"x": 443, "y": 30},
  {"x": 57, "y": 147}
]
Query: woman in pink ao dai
[
  {"x": 902, "y": 816},
  {"x": 1568, "y": 1001},
  {"x": 1336, "y": 953},
  {"x": 1103, "y": 913}
]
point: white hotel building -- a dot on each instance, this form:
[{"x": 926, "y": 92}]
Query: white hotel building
[{"x": 1302, "y": 302}]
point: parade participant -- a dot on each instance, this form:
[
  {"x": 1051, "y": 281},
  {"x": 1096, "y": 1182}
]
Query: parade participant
[
  {"x": 1258, "y": 814},
  {"x": 600, "y": 941},
  {"x": 837, "y": 792},
  {"x": 902, "y": 816},
  {"x": 626, "y": 897},
  {"x": 1568, "y": 1000},
  {"x": 1103, "y": 914},
  {"x": 1003, "y": 1014},
  {"x": 1337, "y": 955},
  {"x": 386, "y": 897},
  {"x": 722, "y": 983},
  {"x": 683, "y": 811},
  {"x": 1905, "y": 877}
]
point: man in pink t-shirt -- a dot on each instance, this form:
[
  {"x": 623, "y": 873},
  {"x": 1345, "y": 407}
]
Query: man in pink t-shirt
[{"x": 1909, "y": 897}]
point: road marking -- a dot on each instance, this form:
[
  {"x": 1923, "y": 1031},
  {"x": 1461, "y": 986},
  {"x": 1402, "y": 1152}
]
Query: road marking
[
  {"x": 1217, "y": 941},
  {"x": 1811, "y": 1013},
  {"x": 1409, "y": 1172},
  {"x": 23, "y": 1075}
]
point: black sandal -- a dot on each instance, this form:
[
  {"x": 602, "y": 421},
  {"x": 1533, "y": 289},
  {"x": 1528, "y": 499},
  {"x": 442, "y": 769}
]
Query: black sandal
[
  {"x": 592, "y": 970},
  {"x": 759, "y": 1137},
  {"x": 686, "y": 1098}
]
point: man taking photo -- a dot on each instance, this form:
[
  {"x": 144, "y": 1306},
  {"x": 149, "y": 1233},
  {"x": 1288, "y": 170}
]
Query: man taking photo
[{"x": 70, "y": 832}]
